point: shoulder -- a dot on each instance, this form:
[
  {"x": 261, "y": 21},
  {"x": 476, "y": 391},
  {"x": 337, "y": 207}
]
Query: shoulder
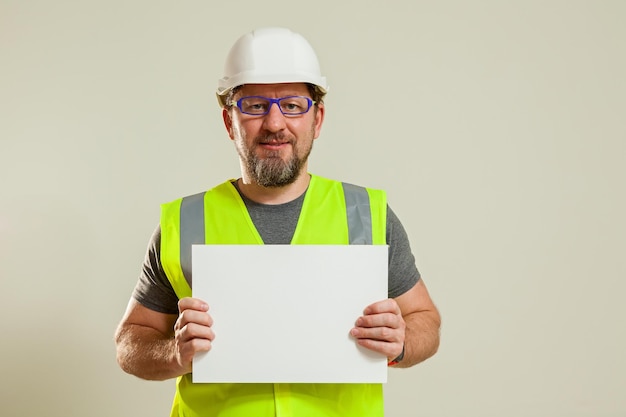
[
  {"x": 226, "y": 185},
  {"x": 320, "y": 181}
]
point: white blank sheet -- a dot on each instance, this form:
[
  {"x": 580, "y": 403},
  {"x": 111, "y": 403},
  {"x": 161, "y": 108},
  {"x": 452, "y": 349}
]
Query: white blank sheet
[{"x": 283, "y": 313}]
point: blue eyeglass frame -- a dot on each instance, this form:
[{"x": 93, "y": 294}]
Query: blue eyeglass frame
[{"x": 310, "y": 103}]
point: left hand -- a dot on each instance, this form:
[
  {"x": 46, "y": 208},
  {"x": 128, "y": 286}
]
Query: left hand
[{"x": 381, "y": 328}]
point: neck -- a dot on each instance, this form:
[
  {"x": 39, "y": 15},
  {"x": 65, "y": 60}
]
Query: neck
[{"x": 274, "y": 195}]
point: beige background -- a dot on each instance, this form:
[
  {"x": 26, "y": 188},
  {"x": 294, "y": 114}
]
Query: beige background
[{"x": 497, "y": 128}]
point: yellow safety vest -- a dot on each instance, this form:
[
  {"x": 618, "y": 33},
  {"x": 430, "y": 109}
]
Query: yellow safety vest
[{"x": 332, "y": 213}]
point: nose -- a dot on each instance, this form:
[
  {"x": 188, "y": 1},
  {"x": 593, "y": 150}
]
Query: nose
[{"x": 274, "y": 120}]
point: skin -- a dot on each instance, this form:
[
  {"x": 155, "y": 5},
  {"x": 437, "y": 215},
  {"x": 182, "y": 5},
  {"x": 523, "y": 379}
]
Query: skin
[
  {"x": 298, "y": 134},
  {"x": 157, "y": 346}
]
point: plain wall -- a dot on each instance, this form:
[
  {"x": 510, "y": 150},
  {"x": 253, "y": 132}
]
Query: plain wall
[{"x": 497, "y": 128}]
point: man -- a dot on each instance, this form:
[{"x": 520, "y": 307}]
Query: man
[{"x": 272, "y": 106}]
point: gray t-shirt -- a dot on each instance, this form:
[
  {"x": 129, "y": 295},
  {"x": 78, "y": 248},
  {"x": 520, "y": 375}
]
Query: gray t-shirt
[{"x": 276, "y": 225}]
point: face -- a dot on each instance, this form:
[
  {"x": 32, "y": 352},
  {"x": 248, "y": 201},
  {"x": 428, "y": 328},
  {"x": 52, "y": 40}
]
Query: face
[{"x": 273, "y": 148}]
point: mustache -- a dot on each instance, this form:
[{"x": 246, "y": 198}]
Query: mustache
[{"x": 272, "y": 138}]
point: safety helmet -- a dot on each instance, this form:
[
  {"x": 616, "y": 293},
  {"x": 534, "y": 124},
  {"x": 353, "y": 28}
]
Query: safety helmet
[{"x": 270, "y": 56}]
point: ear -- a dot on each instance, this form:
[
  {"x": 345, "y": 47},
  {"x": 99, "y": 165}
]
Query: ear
[
  {"x": 228, "y": 122},
  {"x": 319, "y": 119}
]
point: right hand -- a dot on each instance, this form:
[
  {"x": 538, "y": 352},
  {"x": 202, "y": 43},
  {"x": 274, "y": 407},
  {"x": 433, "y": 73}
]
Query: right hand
[{"x": 192, "y": 331}]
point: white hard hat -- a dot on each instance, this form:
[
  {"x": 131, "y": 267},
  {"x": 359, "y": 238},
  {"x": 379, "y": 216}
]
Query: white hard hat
[{"x": 270, "y": 56}]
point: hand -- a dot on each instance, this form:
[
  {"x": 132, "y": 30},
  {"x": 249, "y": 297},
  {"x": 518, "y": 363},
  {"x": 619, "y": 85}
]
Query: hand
[
  {"x": 192, "y": 331},
  {"x": 381, "y": 328}
]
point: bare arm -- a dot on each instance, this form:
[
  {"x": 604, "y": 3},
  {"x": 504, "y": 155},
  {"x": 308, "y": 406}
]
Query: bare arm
[
  {"x": 410, "y": 320},
  {"x": 158, "y": 346},
  {"x": 422, "y": 325}
]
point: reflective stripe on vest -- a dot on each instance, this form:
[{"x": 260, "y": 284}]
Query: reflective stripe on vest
[{"x": 191, "y": 229}]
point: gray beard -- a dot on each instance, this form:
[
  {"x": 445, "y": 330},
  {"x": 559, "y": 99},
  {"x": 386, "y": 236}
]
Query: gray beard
[{"x": 272, "y": 171}]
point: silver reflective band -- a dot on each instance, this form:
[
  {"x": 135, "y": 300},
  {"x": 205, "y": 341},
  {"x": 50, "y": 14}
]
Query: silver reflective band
[
  {"x": 191, "y": 230},
  {"x": 192, "y": 222},
  {"x": 359, "y": 214}
]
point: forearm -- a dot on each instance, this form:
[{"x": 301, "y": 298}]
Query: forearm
[
  {"x": 146, "y": 353},
  {"x": 421, "y": 337}
]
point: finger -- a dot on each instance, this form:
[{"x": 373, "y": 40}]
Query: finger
[
  {"x": 383, "y": 334},
  {"x": 194, "y": 331},
  {"x": 380, "y": 320},
  {"x": 187, "y": 350},
  {"x": 384, "y": 306},
  {"x": 193, "y": 316},
  {"x": 189, "y": 303},
  {"x": 390, "y": 350}
]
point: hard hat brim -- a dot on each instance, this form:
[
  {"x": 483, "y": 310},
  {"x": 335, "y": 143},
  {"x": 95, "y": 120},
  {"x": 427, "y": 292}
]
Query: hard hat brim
[{"x": 227, "y": 84}]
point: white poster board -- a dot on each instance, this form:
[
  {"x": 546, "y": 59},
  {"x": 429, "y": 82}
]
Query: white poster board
[{"x": 283, "y": 313}]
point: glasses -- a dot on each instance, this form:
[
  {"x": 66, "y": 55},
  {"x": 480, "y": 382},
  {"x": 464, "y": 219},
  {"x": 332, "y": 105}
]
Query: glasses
[{"x": 289, "y": 106}]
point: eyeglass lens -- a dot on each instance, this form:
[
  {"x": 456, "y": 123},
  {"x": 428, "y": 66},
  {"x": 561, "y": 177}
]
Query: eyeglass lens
[{"x": 257, "y": 105}]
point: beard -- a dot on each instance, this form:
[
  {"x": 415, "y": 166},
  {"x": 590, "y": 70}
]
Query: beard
[{"x": 271, "y": 170}]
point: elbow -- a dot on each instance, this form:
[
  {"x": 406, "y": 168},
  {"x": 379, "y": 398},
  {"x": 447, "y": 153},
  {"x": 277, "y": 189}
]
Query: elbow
[
  {"x": 436, "y": 334},
  {"x": 435, "y": 344},
  {"x": 122, "y": 355},
  {"x": 426, "y": 340}
]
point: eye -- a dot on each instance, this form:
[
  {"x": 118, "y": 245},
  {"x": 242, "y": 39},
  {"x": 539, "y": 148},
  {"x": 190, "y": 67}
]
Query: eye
[
  {"x": 293, "y": 105},
  {"x": 254, "y": 105}
]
